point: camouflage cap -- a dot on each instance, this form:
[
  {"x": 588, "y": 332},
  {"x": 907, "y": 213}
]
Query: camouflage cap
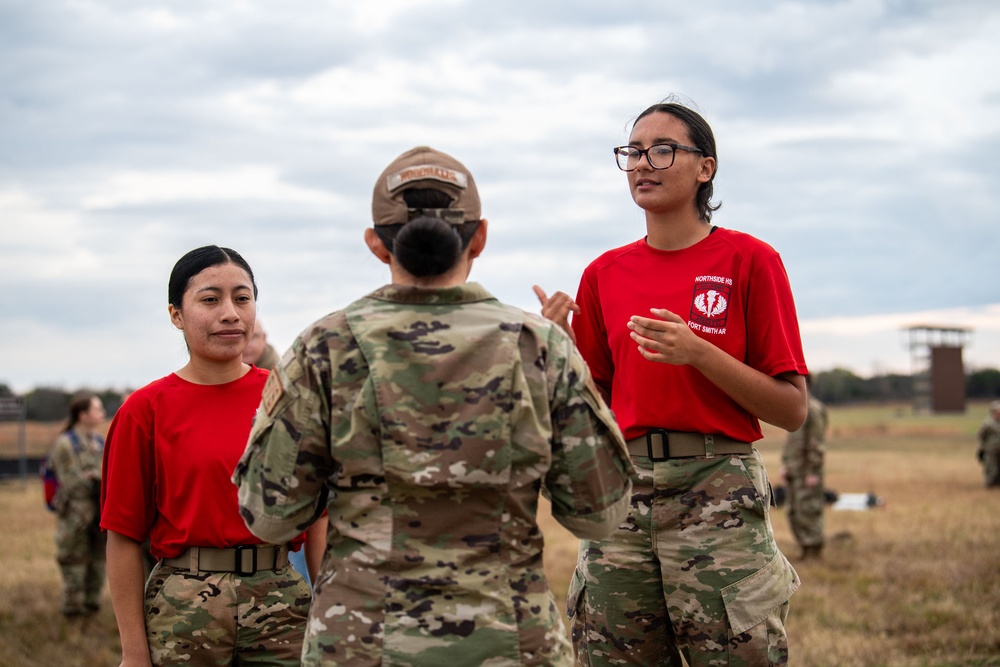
[{"x": 424, "y": 167}]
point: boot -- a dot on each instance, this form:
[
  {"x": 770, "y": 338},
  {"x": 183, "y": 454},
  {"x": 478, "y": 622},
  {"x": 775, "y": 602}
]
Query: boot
[
  {"x": 74, "y": 577},
  {"x": 812, "y": 552}
]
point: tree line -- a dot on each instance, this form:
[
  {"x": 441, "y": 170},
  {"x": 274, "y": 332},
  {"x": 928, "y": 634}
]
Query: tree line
[
  {"x": 836, "y": 386},
  {"x": 840, "y": 386},
  {"x": 49, "y": 404}
]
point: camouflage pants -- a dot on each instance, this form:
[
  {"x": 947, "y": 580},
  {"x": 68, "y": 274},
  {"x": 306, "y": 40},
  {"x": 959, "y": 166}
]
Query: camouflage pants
[
  {"x": 991, "y": 466},
  {"x": 80, "y": 552},
  {"x": 693, "y": 571},
  {"x": 805, "y": 512},
  {"x": 222, "y": 618}
]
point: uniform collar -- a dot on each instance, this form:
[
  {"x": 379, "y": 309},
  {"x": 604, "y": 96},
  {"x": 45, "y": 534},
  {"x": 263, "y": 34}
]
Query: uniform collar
[{"x": 467, "y": 293}]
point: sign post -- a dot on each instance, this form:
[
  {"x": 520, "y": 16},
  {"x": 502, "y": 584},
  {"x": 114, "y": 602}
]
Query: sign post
[{"x": 14, "y": 407}]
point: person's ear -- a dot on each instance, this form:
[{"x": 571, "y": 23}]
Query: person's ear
[
  {"x": 478, "y": 242},
  {"x": 374, "y": 243},
  {"x": 176, "y": 318},
  {"x": 707, "y": 170}
]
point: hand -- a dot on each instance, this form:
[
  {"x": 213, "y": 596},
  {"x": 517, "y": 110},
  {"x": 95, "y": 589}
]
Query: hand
[
  {"x": 812, "y": 480},
  {"x": 557, "y": 308},
  {"x": 667, "y": 340}
]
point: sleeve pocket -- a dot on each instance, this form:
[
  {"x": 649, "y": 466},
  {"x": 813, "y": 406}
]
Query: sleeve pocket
[{"x": 750, "y": 600}]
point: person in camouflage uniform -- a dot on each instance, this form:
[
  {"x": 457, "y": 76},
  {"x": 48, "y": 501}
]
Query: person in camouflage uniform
[
  {"x": 80, "y": 544},
  {"x": 802, "y": 470},
  {"x": 259, "y": 352},
  {"x": 427, "y": 417},
  {"x": 989, "y": 445}
]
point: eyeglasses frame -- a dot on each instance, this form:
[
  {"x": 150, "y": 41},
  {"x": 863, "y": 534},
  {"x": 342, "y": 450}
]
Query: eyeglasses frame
[{"x": 645, "y": 151}]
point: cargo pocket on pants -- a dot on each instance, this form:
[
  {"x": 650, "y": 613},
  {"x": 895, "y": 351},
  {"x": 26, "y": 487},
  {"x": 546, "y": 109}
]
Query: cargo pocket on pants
[
  {"x": 749, "y": 601},
  {"x": 575, "y": 594}
]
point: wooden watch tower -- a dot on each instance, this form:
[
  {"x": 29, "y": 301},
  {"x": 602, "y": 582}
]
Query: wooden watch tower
[{"x": 936, "y": 367}]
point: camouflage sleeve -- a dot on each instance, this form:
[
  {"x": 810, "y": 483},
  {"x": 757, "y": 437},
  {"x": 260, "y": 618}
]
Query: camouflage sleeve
[
  {"x": 74, "y": 484},
  {"x": 814, "y": 438},
  {"x": 281, "y": 475},
  {"x": 590, "y": 480},
  {"x": 803, "y": 452}
]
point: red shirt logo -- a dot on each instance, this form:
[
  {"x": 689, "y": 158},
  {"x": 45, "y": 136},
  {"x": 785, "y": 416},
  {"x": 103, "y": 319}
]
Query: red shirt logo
[{"x": 711, "y": 301}]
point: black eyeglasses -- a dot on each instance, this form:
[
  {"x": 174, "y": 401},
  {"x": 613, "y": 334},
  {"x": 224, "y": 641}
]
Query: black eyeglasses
[{"x": 659, "y": 156}]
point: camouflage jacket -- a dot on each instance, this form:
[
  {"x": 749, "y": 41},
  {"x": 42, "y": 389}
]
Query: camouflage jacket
[
  {"x": 79, "y": 472},
  {"x": 805, "y": 449},
  {"x": 427, "y": 421},
  {"x": 269, "y": 358},
  {"x": 988, "y": 434}
]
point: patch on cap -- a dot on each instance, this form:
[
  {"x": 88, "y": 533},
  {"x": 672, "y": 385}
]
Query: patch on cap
[
  {"x": 424, "y": 167},
  {"x": 423, "y": 172}
]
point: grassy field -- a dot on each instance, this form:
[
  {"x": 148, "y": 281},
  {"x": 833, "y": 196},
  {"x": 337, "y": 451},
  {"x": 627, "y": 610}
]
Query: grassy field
[{"x": 915, "y": 583}]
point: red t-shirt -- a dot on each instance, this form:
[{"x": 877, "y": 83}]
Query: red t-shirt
[
  {"x": 168, "y": 459},
  {"x": 732, "y": 290}
]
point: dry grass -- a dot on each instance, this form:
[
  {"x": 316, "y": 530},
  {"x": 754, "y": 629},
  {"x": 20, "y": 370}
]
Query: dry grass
[
  {"x": 38, "y": 438},
  {"x": 34, "y": 632},
  {"x": 915, "y": 583}
]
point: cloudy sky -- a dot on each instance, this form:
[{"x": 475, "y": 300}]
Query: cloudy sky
[{"x": 858, "y": 137}]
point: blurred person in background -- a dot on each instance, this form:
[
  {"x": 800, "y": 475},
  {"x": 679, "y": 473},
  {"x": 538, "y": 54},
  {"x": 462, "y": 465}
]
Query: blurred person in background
[
  {"x": 989, "y": 445},
  {"x": 802, "y": 471},
  {"x": 427, "y": 417},
  {"x": 259, "y": 352},
  {"x": 218, "y": 595},
  {"x": 80, "y": 543},
  {"x": 691, "y": 334}
]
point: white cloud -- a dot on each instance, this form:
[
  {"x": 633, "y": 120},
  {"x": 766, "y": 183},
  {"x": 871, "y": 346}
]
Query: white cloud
[
  {"x": 985, "y": 318},
  {"x": 247, "y": 183}
]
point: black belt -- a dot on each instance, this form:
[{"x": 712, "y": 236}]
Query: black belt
[
  {"x": 244, "y": 560},
  {"x": 660, "y": 445}
]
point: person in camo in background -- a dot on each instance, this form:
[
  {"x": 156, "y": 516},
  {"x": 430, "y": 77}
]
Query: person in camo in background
[
  {"x": 217, "y": 596},
  {"x": 76, "y": 460},
  {"x": 259, "y": 352},
  {"x": 691, "y": 331},
  {"x": 802, "y": 470},
  {"x": 989, "y": 445},
  {"x": 427, "y": 416}
]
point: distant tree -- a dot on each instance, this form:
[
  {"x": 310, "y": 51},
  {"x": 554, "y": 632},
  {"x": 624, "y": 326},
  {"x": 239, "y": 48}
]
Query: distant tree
[
  {"x": 839, "y": 386},
  {"x": 983, "y": 383},
  {"x": 891, "y": 387},
  {"x": 5, "y": 390},
  {"x": 112, "y": 400},
  {"x": 47, "y": 404}
]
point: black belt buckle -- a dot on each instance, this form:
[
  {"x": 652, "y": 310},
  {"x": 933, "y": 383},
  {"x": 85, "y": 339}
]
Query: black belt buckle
[
  {"x": 666, "y": 444},
  {"x": 252, "y": 548}
]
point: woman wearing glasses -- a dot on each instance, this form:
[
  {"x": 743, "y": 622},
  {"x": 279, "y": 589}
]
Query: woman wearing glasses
[{"x": 691, "y": 334}]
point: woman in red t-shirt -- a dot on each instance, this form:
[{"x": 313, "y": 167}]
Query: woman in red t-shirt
[
  {"x": 217, "y": 594},
  {"x": 691, "y": 334}
]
